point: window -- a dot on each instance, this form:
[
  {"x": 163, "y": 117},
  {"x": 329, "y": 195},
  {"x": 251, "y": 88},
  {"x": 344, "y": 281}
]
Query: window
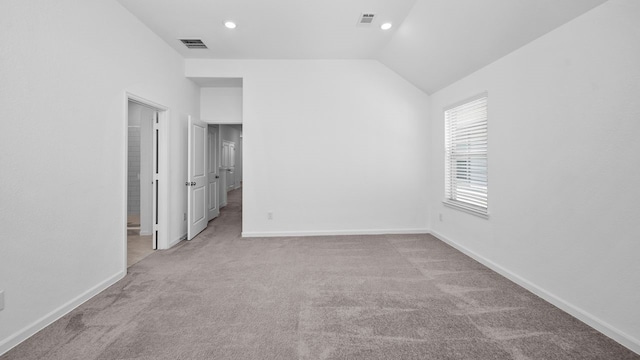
[{"x": 466, "y": 155}]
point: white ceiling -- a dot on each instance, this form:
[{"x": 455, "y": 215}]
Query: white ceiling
[
  {"x": 432, "y": 44},
  {"x": 442, "y": 41},
  {"x": 272, "y": 29}
]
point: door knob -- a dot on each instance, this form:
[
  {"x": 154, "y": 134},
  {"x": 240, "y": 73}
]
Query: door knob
[
  {"x": 186, "y": 184},
  {"x": 217, "y": 176},
  {"x": 193, "y": 184}
]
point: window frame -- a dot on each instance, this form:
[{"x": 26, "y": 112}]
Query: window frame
[{"x": 480, "y": 160}]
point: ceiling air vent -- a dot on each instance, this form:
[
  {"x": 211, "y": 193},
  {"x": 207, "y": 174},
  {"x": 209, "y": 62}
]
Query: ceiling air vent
[
  {"x": 366, "y": 19},
  {"x": 194, "y": 43}
]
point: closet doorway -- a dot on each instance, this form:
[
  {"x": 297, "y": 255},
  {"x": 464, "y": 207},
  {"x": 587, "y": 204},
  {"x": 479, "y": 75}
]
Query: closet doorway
[{"x": 142, "y": 169}]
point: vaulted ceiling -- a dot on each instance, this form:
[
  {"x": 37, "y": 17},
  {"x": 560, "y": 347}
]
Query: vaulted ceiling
[{"x": 432, "y": 42}]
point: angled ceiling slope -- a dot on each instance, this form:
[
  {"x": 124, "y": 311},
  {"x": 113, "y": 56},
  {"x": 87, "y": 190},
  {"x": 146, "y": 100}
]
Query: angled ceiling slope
[
  {"x": 442, "y": 41},
  {"x": 432, "y": 43}
]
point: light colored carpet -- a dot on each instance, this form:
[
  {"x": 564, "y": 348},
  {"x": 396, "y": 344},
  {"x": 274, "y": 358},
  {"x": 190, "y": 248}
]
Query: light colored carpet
[{"x": 348, "y": 297}]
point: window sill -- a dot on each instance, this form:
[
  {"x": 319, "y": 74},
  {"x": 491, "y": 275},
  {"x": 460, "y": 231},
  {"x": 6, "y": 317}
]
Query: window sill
[{"x": 469, "y": 209}]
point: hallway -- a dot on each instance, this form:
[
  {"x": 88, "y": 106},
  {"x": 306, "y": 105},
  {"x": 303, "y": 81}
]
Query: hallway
[{"x": 221, "y": 296}]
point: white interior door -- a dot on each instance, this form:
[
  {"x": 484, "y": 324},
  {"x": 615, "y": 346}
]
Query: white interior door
[
  {"x": 229, "y": 163},
  {"x": 213, "y": 174},
  {"x": 232, "y": 162},
  {"x": 197, "y": 181}
]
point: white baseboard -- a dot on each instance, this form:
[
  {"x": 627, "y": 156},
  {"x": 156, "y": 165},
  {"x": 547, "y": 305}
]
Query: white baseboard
[
  {"x": 28, "y": 331},
  {"x": 602, "y": 326},
  {"x": 145, "y": 233},
  {"x": 333, "y": 232},
  {"x": 171, "y": 244}
]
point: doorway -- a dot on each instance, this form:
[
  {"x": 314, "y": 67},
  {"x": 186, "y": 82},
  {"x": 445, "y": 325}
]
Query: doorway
[
  {"x": 143, "y": 144},
  {"x": 214, "y": 169},
  {"x": 221, "y": 108},
  {"x": 230, "y": 160}
]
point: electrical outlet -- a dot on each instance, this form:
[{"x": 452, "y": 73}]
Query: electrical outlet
[
  {"x": 440, "y": 216},
  {"x": 269, "y": 215},
  {"x": 1, "y": 300}
]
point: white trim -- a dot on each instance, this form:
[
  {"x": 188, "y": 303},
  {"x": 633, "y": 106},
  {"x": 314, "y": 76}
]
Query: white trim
[
  {"x": 174, "y": 242},
  {"x": 221, "y": 122},
  {"x": 469, "y": 209},
  {"x": 142, "y": 101},
  {"x": 31, "y": 329},
  {"x": 600, "y": 325},
  {"x": 467, "y": 100},
  {"x": 165, "y": 170},
  {"x": 334, "y": 232}
]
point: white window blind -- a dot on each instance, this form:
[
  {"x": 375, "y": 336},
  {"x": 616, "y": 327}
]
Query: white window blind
[{"x": 466, "y": 172}]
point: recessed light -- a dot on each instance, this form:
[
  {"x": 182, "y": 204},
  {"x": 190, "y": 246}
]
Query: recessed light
[
  {"x": 386, "y": 26},
  {"x": 230, "y": 24}
]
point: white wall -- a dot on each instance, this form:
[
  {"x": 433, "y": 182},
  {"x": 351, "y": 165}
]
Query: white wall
[
  {"x": 564, "y": 168},
  {"x": 65, "y": 68},
  {"x": 330, "y": 146},
  {"x": 221, "y": 105}
]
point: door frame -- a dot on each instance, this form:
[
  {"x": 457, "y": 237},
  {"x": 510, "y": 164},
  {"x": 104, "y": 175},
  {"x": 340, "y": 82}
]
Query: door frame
[{"x": 162, "y": 216}]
